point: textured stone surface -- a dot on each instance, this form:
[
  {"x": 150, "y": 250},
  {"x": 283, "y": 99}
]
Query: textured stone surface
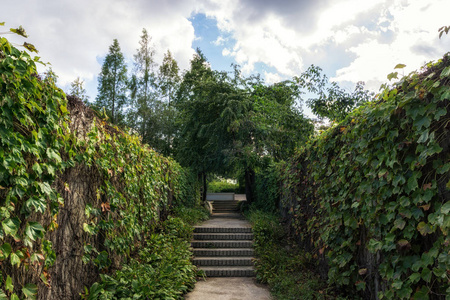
[{"x": 229, "y": 288}]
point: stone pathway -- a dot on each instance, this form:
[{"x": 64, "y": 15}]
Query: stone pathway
[{"x": 223, "y": 249}]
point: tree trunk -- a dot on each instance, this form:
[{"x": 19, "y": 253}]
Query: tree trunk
[
  {"x": 249, "y": 184},
  {"x": 205, "y": 187}
]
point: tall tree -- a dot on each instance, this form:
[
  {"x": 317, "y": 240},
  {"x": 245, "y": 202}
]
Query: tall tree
[
  {"x": 112, "y": 84},
  {"x": 77, "y": 89},
  {"x": 192, "y": 100},
  {"x": 331, "y": 101},
  {"x": 168, "y": 77},
  {"x": 143, "y": 91},
  {"x": 168, "y": 83}
]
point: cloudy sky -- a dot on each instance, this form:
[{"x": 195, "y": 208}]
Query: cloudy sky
[{"x": 351, "y": 40}]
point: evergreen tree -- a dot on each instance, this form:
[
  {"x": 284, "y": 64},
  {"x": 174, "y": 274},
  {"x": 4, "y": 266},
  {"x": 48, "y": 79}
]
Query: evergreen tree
[
  {"x": 168, "y": 77},
  {"x": 112, "y": 84},
  {"x": 142, "y": 117},
  {"x": 77, "y": 89},
  {"x": 168, "y": 83}
]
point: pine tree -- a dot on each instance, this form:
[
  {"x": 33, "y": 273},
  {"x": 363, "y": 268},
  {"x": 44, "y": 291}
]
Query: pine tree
[
  {"x": 168, "y": 77},
  {"x": 143, "y": 91},
  {"x": 112, "y": 84},
  {"x": 77, "y": 89},
  {"x": 168, "y": 83}
]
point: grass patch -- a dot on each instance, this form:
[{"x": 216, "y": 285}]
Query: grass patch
[
  {"x": 222, "y": 186},
  {"x": 161, "y": 269},
  {"x": 287, "y": 270}
]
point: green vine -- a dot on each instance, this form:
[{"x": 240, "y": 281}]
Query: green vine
[
  {"x": 33, "y": 130},
  {"x": 37, "y": 148},
  {"x": 371, "y": 194}
]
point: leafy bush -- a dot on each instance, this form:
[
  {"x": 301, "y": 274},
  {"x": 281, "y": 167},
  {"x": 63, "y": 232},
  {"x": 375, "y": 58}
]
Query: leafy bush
[
  {"x": 267, "y": 187},
  {"x": 222, "y": 186},
  {"x": 372, "y": 192},
  {"x": 191, "y": 215},
  {"x": 113, "y": 188},
  {"x": 287, "y": 270},
  {"x": 162, "y": 268}
]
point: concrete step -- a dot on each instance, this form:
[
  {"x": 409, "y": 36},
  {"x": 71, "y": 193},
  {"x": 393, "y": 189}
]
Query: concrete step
[
  {"x": 226, "y": 208},
  {"x": 227, "y": 215},
  {"x": 223, "y": 236},
  {"x": 241, "y": 271},
  {"x": 221, "y": 244},
  {"x": 222, "y": 230},
  {"x": 243, "y": 252},
  {"x": 223, "y": 261}
]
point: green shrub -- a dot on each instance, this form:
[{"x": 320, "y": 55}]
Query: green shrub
[
  {"x": 372, "y": 192},
  {"x": 222, "y": 186},
  {"x": 287, "y": 270},
  {"x": 162, "y": 268},
  {"x": 191, "y": 215}
]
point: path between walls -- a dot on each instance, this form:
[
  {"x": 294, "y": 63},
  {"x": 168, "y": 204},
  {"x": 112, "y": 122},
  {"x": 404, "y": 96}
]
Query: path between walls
[{"x": 223, "y": 249}]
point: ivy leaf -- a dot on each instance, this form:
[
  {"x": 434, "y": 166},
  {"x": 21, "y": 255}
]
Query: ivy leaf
[
  {"x": 30, "y": 290},
  {"x": 8, "y": 284},
  {"x": 399, "y": 223},
  {"x": 445, "y": 72},
  {"x": 445, "y": 209},
  {"x": 422, "y": 294},
  {"x": 34, "y": 230},
  {"x": 52, "y": 154},
  {"x": 39, "y": 204},
  {"x": 424, "y": 228},
  {"x": 45, "y": 188},
  {"x": 37, "y": 168},
  {"x": 20, "y": 31},
  {"x": 400, "y": 66},
  {"x": 414, "y": 277},
  {"x": 412, "y": 183},
  {"x": 14, "y": 297},
  {"x": 392, "y": 76},
  {"x": 11, "y": 226},
  {"x": 426, "y": 274},
  {"x": 5, "y": 251},
  {"x": 2, "y": 293},
  {"x": 30, "y": 47},
  {"x": 425, "y": 121},
  {"x": 15, "y": 259}
]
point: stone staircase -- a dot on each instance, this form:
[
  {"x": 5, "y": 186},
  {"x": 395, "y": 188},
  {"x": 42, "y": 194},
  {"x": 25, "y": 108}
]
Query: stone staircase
[
  {"x": 225, "y": 206},
  {"x": 223, "y": 245}
]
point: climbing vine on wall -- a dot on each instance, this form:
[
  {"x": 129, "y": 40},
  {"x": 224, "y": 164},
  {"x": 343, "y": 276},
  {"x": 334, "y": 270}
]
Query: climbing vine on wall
[
  {"x": 40, "y": 143},
  {"x": 33, "y": 130},
  {"x": 371, "y": 195}
]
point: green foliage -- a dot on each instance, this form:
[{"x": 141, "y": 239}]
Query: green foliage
[
  {"x": 191, "y": 215},
  {"x": 371, "y": 192},
  {"x": 36, "y": 145},
  {"x": 77, "y": 90},
  {"x": 287, "y": 270},
  {"x": 33, "y": 130},
  {"x": 267, "y": 186},
  {"x": 331, "y": 101},
  {"x": 229, "y": 123},
  {"x": 443, "y": 29},
  {"x": 112, "y": 84},
  {"x": 162, "y": 268},
  {"x": 221, "y": 185}
]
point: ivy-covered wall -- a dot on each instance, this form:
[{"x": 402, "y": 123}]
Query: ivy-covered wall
[
  {"x": 77, "y": 196},
  {"x": 370, "y": 196}
]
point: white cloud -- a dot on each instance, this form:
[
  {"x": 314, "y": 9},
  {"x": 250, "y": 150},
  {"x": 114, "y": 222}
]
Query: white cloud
[
  {"x": 74, "y": 35},
  {"x": 286, "y": 35},
  {"x": 272, "y": 78},
  {"x": 415, "y": 41}
]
